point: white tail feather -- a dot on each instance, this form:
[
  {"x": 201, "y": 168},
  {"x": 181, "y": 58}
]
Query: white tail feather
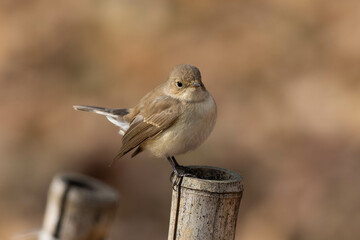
[
  {"x": 123, "y": 125},
  {"x": 113, "y": 118}
]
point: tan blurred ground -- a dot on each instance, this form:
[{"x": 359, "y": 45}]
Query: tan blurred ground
[{"x": 285, "y": 75}]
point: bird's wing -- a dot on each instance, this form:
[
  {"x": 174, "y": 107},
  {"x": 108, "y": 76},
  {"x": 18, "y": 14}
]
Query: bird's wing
[{"x": 156, "y": 117}]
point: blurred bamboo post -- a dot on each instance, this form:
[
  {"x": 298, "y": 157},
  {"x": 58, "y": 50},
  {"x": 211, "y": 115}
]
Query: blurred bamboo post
[
  {"x": 206, "y": 207},
  {"x": 78, "y": 208}
]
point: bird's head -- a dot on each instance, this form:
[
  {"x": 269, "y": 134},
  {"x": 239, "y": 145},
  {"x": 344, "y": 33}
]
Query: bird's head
[{"x": 185, "y": 83}]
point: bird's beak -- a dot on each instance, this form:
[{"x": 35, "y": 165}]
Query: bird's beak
[{"x": 196, "y": 84}]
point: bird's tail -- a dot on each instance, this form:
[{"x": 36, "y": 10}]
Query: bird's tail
[
  {"x": 114, "y": 115},
  {"x": 112, "y": 112}
]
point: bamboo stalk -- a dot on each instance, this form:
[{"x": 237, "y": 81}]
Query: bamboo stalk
[
  {"x": 206, "y": 207},
  {"x": 78, "y": 208}
]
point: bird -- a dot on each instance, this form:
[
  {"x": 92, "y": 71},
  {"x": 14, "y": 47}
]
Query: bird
[{"x": 174, "y": 118}]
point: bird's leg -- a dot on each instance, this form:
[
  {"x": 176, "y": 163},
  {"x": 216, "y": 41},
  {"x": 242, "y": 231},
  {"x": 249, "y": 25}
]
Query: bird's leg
[
  {"x": 177, "y": 179},
  {"x": 175, "y": 162},
  {"x": 184, "y": 171},
  {"x": 179, "y": 171},
  {"x": 174, "y": 165}
]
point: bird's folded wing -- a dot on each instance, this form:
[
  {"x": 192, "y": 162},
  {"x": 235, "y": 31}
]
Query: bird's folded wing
[{"x": 143, "y": 128}]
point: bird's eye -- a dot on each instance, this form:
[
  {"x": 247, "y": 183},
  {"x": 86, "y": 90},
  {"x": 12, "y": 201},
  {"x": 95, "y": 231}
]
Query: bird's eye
[{"x": 179, "y": 84}]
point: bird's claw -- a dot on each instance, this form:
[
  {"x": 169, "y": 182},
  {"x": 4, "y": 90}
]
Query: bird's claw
[
  {"x": 177, "y": 175},
  {"x": 175, "y": 181}
]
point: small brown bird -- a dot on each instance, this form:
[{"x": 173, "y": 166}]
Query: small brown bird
[{"x": 173, "y": 118}]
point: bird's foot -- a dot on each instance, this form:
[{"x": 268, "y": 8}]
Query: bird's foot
[{"x": 177, "y": 175}]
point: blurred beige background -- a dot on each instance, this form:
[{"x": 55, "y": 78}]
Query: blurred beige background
[{"x": 285, "y": 75}]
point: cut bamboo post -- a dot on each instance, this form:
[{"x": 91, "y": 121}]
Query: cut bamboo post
[
  {"x": 205, "y": 207},
  {"x": 78, "y": 208}
]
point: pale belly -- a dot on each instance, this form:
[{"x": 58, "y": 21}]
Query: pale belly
[{"x": 190, "y": 130}]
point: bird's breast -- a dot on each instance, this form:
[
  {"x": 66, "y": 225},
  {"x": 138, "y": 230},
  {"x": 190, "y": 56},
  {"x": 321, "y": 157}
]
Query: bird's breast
[{"x": 193, "y": 126}]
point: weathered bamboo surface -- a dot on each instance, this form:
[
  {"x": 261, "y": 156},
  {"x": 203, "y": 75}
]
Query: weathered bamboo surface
[
  {"x": 206, "y": 207},
  {"x": 78, "y": 208}
]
